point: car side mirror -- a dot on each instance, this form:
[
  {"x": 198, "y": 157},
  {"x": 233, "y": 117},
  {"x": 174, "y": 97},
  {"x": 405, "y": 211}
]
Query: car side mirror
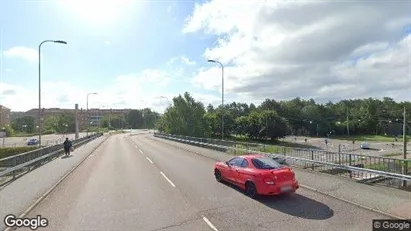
[{"x": 227, "y": 164}]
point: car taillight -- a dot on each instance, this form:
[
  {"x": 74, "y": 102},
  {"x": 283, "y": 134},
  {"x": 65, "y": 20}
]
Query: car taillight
[{"x": 270, "y": 180}]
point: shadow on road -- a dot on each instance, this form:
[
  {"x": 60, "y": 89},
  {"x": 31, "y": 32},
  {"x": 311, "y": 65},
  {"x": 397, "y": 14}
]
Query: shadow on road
[
  {"x": 293, "y": 204},
  {"x": 298, "y": 206},
  {"x": 65, "y": 157}
]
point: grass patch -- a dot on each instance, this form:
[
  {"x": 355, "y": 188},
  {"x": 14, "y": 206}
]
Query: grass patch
[
  {"x": 118, "y": 132},
  {"x": 97, "y": 130},
  {"x": 393, "y": 154},
  {"x": 24, "y": 134},
  {"x": 374, "y": 138},
  {"x": 11, "y": 151},
  {"x": 379, "y": 167}
]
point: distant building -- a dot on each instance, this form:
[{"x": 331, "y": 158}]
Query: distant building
[
  {"x": 4, "y": 115},
  {"x": 95, "y": 114}
]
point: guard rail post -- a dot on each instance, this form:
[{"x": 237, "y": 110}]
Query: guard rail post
[
  {"x": 14, "y": 165},
  {"x": 312, "y": 158},
  {"x": 350, "y": 164}
]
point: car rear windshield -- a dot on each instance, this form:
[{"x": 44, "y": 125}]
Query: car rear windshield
[{"x": 265, "y": 163}]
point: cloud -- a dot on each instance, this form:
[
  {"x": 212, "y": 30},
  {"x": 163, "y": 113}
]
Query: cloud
[
  {"x": 127, "y": 91},
  {"x": 63, "y": 98},
  {"x": 108, "y": 43},
  {"x": 182, "y": 59},
  {"x": 169, "y": 9},
  {"x": 9, "y": 92},
  {"x": 21, "y": 52},
  {"x": 326, "y": 50},
  {"x": 187, "y": 61}
]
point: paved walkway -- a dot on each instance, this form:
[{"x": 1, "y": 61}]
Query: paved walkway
[
  {"x": 388, "y": 200},
  {"x": 16, "y": 197}
]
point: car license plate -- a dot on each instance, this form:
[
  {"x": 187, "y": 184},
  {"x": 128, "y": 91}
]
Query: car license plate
[{"x": 286, "y": 188}]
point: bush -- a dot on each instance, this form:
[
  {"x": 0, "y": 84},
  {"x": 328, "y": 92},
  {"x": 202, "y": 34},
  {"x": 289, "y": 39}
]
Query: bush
[
  {"x": 11, "y": 151},
  {"x": 9, "y": 131},
  {"x": 48, "y": 132}
]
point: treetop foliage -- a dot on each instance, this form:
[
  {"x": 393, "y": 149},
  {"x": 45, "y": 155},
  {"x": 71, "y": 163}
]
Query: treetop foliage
[{"x": 274, "y": 119}]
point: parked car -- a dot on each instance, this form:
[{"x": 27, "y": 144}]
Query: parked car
[
  {"x": 257, "y": 175},
  {"x": 33, "y": 142},
  {"x": 364, "y": 145}
]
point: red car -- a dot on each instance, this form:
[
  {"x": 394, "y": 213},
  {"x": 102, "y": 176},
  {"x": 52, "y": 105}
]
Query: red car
[{"x": 257, "y": 175}]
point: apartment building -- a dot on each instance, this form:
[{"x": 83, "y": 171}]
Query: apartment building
[
  {"x": 94, "y": 119},
  {"x": 4, "y": 115}
]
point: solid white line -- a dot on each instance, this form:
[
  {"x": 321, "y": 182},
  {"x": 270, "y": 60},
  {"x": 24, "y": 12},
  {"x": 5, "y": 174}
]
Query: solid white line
[
  {"x": 210, "y": 224},
  {"x": 140, "y": 151},
  {"x": 169, "y": 181},
  {"x": 149, "y": 159}
]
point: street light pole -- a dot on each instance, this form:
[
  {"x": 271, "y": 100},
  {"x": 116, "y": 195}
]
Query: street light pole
[
  {"x": 88, "y": 118},
  {"x": 39, "y": 115},
  {"x": 348, "y": 124},
  {"x": 222, "y": 96},
  {"x": 404, "y": 135}
]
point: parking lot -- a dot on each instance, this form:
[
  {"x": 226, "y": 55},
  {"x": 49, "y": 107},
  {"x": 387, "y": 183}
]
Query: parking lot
[{"x": 376, "y": 148}]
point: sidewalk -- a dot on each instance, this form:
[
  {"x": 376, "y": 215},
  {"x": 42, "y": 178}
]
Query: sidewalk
[
  {"x": 387, "y": 200},
  {"x": 16, "y": 197}
]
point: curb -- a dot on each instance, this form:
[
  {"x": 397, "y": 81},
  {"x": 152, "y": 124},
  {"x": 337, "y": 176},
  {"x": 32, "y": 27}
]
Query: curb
[
  {"x": 32, "y": 206},
  {"x": 301, "y": 185}
]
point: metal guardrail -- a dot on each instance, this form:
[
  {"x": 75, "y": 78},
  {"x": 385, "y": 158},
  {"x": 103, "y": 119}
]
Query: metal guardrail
[
  {"x": 341, "y": 163},
  {"x": 12, "y": 164}
]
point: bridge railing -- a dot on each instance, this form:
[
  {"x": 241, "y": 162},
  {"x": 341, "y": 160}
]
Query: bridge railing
[
  {"x": 14, "y": 165},
  {"x": 369, "y": 169}
]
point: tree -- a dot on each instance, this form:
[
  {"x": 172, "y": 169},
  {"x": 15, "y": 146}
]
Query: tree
[
  {"x": 51, "y": 124},
  {"x": 278, "y": 118},
  {"x": 135, "y": 119},
  {"x": 66, "y": 123},
  {"x": 113, "y": 122},
  {"x": 24, "y": 124},
  {"x": 63, "y": 123},
  {"x": 149, "y": 118},
  {"x": 9, "y": 130},
  {"x": 185, "y": 117}
]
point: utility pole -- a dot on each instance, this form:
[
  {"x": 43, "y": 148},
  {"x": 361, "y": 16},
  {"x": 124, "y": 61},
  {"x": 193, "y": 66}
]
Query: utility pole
[{"x": 404, "y": 135}]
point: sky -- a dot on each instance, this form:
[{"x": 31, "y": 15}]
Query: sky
[{"x": 138, "y": 54}]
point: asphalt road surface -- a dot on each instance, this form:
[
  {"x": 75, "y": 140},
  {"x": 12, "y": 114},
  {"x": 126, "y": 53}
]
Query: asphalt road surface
[
  {"x": 45, "y": 139},
  {"x": 134, "y": 183}
]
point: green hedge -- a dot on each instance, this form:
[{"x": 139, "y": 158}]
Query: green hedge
[{"x": 11, "y": 151}]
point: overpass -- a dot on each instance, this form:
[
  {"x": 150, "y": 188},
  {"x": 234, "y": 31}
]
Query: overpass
[{"x": 136, "y": 181}]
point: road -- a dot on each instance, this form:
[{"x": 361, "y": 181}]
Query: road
[
  {"x": 45, "y": 139},
  {"x": 135, "y": 183}
]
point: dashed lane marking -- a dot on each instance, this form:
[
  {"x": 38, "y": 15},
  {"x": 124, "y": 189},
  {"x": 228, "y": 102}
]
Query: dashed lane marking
[
  {"x": 208, "y": 222},
  {"x": 169, "y": 181}
]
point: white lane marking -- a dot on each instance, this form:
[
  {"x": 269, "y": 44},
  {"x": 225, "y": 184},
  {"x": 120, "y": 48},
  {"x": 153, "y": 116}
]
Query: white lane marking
[
  {"x": 136, "y": 146},
  {"x": 169, "y": 181},
  {"x": 140, "y": 151},
  {"x": 149, "y": 159},
  {"x": 210, "y": 224}
]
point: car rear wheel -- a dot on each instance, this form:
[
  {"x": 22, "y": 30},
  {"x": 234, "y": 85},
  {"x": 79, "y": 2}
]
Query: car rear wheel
[
  {"x": 251, "y": 190},
  {"x": 217, "y": 175}
]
